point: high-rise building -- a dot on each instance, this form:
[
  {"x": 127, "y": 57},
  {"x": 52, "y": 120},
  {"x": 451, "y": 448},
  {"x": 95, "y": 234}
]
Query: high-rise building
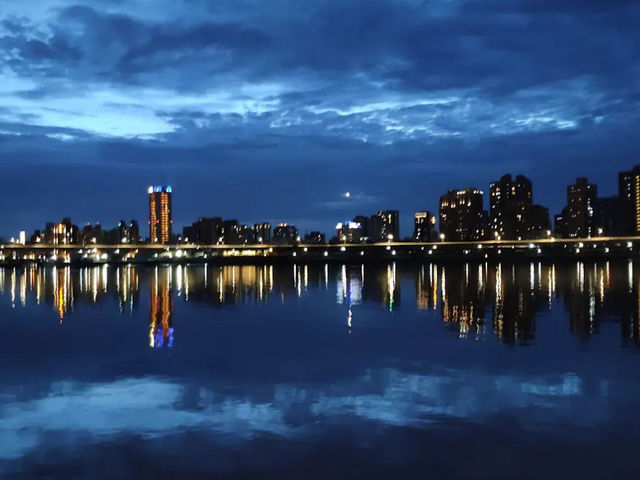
[
  {"x": 560, "y": 223},
  {"x": 160, "y": 221},
  {"x": 205, "y": 230},
  {"x": 389, "y": 225},
  {"x": 63, "y": 233},
  {"x": 37, "y": 237},
  {"x": 537, "y": 224},
  {"x": 612, "y": 217},
  {"x": 91, "y": 234},
  {"x": 233, "y": 233},
  {"x": 261, "y": 232},
  {"x": 349, "y": 232},
  {"x": 124, "y": 233},
  {"x": 509, "y": 201},
  {"x": 627, "y": 185},
  {"x": 579, "y": 220},
  {"x": 134, "y": 232},
  {"x": 365, "y": 224},
  {"x": 512, "y": 213},
  {"x": 629, "y": 193},
  {"x": 424, "y": 227},
  {"x": 245, "y": 234},
  {"x": 462, "y": 216},
  {"x": 285, "y": 234},
  {"x": 314, "y": 237},
  {"x": 374, "y": 228}
]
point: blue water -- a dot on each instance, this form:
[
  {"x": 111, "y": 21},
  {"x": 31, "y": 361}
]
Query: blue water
[{"x": 479, "y": 371}]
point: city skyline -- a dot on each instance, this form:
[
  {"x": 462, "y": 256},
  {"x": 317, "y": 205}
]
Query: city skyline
[
  {"x": 242, "y": 110},
  {"x": 324, "y": 222},
  {"x": 512, "y": 214}
]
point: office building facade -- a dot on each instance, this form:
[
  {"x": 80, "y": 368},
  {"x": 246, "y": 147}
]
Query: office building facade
[
  {"x": 462, "y": 216},
  {"x": 424, "y": 227},
  {"x": 160, "y": 221}
]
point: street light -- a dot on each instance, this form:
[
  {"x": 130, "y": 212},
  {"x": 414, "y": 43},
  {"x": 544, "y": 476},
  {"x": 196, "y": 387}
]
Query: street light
[{"x": 442, "y": 237}]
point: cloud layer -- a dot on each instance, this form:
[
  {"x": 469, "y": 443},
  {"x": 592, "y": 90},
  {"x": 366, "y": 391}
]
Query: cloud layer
[{"x": 249, "y": 91}]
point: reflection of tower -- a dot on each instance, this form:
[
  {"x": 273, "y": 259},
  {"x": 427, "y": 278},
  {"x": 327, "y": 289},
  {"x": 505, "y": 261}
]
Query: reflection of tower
[
  {"x": 380, "y": 285},
  {"x": 160, "y": 311},
  {"x": 127, "y": 288},
  {"x": 581, "y": 300},
  {"x": 63, "y": 291},
  {"x": 463, "y": 306},
  {"x": 349, "y": 285},
  {"x": 427, "y": 287},
  {"x": 520, "y": 292},
  {"x": 349, "y": 289}
]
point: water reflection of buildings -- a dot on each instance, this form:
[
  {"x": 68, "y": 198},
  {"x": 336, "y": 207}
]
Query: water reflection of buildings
[
  {"x": 63, "y": 287},
  {"x": 161, "y": 308},
  {"x": 596, "y": 293},
  {"x": 474, "y": 299},
  {"x": 463, "y": 299},
  {"x": 515, "y": 294},
  {"x": 232, "y": 284},
  {"x": 520, "y": 291}
]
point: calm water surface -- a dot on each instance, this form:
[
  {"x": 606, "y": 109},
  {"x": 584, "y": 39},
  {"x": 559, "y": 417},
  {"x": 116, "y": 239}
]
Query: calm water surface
[{"x": 321, "y": 371}]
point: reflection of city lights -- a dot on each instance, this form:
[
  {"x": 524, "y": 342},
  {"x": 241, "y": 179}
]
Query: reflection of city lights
[
  {"x": 160, "y": 311},
  {"x": 513, "y": 300},
  {"x": 532, "y": 277},
  {"x": 391, "y": 284}
]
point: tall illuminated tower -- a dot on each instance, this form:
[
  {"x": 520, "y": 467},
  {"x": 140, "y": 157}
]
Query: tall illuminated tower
[{"x": 160, "y": 214}]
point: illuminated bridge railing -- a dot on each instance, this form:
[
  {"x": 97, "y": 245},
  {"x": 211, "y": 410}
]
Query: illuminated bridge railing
[{"x": 152, "y": 253}]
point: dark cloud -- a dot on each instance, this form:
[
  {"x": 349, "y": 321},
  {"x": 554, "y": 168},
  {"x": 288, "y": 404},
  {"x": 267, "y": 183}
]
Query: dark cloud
[
  {"x": 493, "y": 45},
  {"x": 258, "y": 103}
]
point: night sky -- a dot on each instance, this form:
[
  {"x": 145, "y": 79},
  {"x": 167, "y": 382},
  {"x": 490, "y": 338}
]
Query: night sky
[{"x": 269, "y": 110}]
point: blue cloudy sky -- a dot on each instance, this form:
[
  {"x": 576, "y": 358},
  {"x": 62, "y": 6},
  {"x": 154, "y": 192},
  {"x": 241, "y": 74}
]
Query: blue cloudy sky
[{"x": 272, "y": 109}]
